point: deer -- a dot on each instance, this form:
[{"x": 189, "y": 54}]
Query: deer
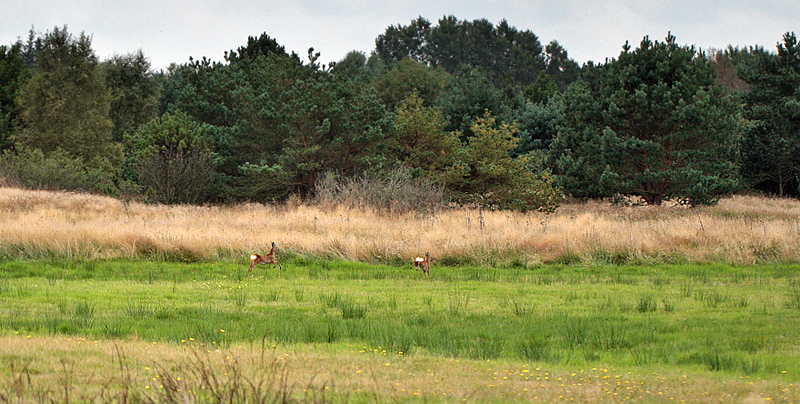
[
  {"x": 256, "y": 259},
  {"x": 423, "y": 263}
]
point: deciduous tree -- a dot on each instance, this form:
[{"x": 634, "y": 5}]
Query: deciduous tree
[
  {"x": 134, "y": 92},
  {"x": 406, "y": 77},
  {"x": 66, "y": 104},
  {"x": 505, "y": 54}
]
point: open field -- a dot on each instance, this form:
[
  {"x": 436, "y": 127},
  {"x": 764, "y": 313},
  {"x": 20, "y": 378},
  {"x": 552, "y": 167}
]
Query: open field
[
  {"x": 106, "y": 301},
  {"x": 740, "y": 230},
  {"x": 102, "y": 371},
  {"x": 338, "y": 331}
]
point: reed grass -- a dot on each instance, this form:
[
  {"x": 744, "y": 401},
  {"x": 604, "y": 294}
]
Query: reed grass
[{"x": 739, "y": 230}]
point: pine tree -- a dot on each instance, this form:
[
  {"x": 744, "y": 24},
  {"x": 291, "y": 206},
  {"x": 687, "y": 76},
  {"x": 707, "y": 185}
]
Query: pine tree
[
  {"x": 771, "y": 143},
  {"x": 484, "y": 172},
  {"x": 650, "y": 124},
  {"x": 13, "y": 75}
]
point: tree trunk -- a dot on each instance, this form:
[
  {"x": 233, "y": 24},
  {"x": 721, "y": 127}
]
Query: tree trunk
[{"x": 652, "y": 199}]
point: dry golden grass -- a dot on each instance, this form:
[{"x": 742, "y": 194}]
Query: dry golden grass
[
  {"x": 64, "y": 369},
  {"x": 740, "y": 229}
]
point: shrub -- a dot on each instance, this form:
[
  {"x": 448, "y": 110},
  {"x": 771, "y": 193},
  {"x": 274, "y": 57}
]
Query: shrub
[
  {"x": 172, "y": 159},
  {"x": 393, "y": 192},
  {"x": 32, "y": 168}
]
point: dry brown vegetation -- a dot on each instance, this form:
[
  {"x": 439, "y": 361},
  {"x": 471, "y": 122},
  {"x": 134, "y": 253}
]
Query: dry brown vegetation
[{"x": 740, "y": 229}]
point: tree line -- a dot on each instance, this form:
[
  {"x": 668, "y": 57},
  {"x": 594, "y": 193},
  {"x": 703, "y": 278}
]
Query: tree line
[{"x": 482, "y": 112}]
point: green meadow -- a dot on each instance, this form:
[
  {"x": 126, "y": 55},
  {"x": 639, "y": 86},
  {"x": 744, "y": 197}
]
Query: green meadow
[{"x": 722, "y": 324}]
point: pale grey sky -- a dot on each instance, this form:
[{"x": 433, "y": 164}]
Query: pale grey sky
[{"x": 171, "y": 31}]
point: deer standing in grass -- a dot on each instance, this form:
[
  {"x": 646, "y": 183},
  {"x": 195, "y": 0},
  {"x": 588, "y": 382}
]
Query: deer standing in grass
[
  {"x": 256, "y": 259},
  {"x": 423, "y": 263}
]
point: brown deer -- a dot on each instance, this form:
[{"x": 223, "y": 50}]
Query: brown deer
[
  {"x": 423, "y": 263},
  {"x": 256, "y": 259}
]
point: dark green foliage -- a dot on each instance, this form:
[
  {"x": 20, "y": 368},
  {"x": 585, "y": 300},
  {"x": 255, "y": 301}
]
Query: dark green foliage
[
  {"x": 468, "y": 95},
  {"x": 199, "y": 88},
  {"x": 232, "y": 100},
  {"x": 407, "y": 77},
  {"x": 400, "y": 42},
  {"x": 560, "y": 67},
  {"x": 484, "y": 173},
  {"x": 320, "y": 124},
  {"x": 504, "y": 53},
  {"x": 353, "y": 66},
  {"x": 13, "y": 76},
  {"x": 256, "y": 47},
  {"x": 134, "y": 92},
  {"x": 32, "y": 48},
  {"x": 650, "y": 124},
  {"x": 659, "y": 122},
  {"x": 65, "y": 105},
  {"x": 172, "y": 157},
  {"x": 61, "y": 129},
  {"x": 540, "y": 91},
  {"x": 58, "y": 170},
  {"x": 508, "y": 57},
  {"x": 771, "y": 142},
  {"x": 538, "y": 124},
  {"x": 279, "y": 125}
]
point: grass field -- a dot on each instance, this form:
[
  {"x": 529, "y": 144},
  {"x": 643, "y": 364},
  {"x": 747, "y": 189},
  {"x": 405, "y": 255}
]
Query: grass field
[
  {"x": 104, "y": 301},
  {"x": 327, "y": 330}
]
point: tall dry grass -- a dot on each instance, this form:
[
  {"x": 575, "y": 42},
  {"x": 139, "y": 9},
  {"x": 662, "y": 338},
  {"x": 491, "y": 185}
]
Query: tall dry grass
[{"x": 740, "y": 229}]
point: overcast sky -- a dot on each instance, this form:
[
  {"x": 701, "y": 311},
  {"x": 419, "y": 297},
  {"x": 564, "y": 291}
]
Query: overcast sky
[{"x": 172, "y": 31}]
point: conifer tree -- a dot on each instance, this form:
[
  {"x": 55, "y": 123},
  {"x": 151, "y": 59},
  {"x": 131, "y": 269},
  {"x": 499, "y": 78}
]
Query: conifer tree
[
  {"x": 771, "y": 143},
  {"x": 65, "y": 105},
  {"x": 484, "y": 173},
  {"x": 650, "y": 124},
  {"x": 13, "y": 75}
]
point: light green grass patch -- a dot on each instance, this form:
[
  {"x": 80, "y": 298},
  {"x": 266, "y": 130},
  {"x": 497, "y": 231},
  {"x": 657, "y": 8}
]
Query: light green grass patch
[{"x": 736, "y": 321}]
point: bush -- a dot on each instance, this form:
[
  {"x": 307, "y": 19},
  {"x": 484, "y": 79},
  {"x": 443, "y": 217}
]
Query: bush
[
  {"x": 32, "y": 168},
  {"x": 176, "y": 176},
  {"x": 172, "y": 159},
  {"x": 393, "y": 192}
]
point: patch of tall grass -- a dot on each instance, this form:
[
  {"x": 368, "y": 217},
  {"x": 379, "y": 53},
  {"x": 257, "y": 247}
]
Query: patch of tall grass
[{"x": 41, "y": 225}]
